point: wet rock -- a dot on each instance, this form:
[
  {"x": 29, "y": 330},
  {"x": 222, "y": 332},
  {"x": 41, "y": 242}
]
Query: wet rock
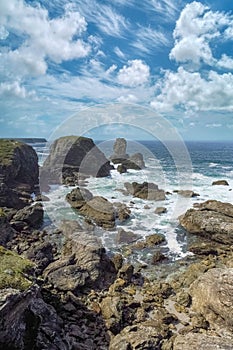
[
  {"x": 72, "y": 157},
  {"x": 212, "y": 296},
  {"x": 121, "y": 169},
  {"x": 197, "y": 341},
  {"x": 146, "y": 190},
  {"x": 158, "y": 257},
  {"x": 19, "y": 173},
  {"x": 27, "y": 322},
  {"x": 220, "y": 182},
  {"x": 212, "y": 219},
  {"x": 78, "y": 197},
  {"x": 126, "y": 236},
  {"x": 32, "y": 215},
  {"x": 160, "y": 210},
  {"x": 187, "y": 193}
]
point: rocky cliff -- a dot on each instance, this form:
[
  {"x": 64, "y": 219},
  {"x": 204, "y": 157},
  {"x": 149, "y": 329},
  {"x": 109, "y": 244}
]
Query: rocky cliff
[{"x": 19, "y": 173}]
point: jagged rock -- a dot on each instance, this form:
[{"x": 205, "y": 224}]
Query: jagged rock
[
  {"x": 84, "y": 263},
  {"x": 220, "y": 182},
  {"x": 137, "y": 159},
  {"x": 197, "y": 341},
  {"x": 212, "y": 219},
  {"x": 126, "y": 236},
  {"x": 6, "y": 231},
  {"x": 19, "y": 173},
  {"x": 146, "y": 190},
  {"x": 150, "y": 241},
  {"x": 160, "y": 210},
  {"x": 158, "y": 257},
  {"x": 78, "y": 197},
  {"x": 32, "y": 215},
  {"x": 212, "y": 296},
  {"x": 27, "y": 322},
  {"x": 122, "y": 212},
  {"x": 41, "y": 254},
  {"x": 73, "y": 157}
]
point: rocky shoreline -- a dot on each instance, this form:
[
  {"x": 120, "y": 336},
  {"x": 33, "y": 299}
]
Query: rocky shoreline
[{"x": 69, "y": 293}]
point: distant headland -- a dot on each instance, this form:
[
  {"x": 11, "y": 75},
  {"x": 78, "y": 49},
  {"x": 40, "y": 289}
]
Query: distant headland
[{"x": 26, "y": 139}]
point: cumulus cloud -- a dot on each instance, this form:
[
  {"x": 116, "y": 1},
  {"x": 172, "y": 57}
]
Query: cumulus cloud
[
  {"x": 41, "y": 38},
  {"x": 14, "y": 90},
  {"x": 134, "y": 74},
  {"x": 190, "y": 91},
  {"x": 226, "y": 62},
  {"x": 195, "y": 29}
]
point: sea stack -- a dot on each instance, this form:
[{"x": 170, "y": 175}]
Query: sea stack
[
  {"x": 134, "y": 161},
  {"x": 73, "y": 157}
]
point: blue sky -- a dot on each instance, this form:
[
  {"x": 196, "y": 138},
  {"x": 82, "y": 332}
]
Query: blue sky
[{"x": 175, "y": 58}]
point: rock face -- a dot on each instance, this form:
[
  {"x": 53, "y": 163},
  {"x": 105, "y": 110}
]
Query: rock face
[
  {"x": 146, "y": 190},
  {"x": 212, "y": 296},
  {"x": 27, "y": 322},
  {"x": 32, "y": 215},
  {"x": 196, "y": 341},
  {"x": 83, "y": 264},
  {"x": 71, "y": 157},
  {"x": 19, "y": 173},
  {"x": 97, "y": 208},
  {"x": 212, "y": 219}
]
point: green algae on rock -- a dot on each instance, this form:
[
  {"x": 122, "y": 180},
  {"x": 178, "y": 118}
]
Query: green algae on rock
[{"x": 14, "y": 270}]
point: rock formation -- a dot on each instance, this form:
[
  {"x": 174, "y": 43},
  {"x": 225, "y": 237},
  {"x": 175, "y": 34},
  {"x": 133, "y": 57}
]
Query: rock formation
[
  {"x": 72, "y": 157},
  {"x": 119, "y": 149},
  {"x": 97, "y": 208},
  {"x": 212, "y": 219},
  {"x": 19, "y": 173},
  {"x": 135, "y": 161},
  {"x": 146, "y": 190}
]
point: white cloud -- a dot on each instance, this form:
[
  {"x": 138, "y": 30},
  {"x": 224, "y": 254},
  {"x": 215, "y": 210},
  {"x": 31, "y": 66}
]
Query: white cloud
[
  {"x": 130, "y": 98},
  {"x": 134, "y": 74},
  {"x": 147, "y": 39},
  {"x": 166, "y": 8},
  {"x": 226, "y": 62},
  {"x": 191, "y": 91},
  {"x": 14, "y": 90},
  {"x": 111, "y": 69},
  {"x": 195, "y": 29},
  {"x": 43, "y": 38},
  {"x": 119, "y": 53}
]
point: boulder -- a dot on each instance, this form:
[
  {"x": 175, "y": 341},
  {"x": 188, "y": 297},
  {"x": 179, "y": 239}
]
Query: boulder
[
  {"x": 19, "y": 173},
  {"x": 160, "y": 210},
  {"x": 83, "y": 264},
  {"x": 72, "y": 157},
  {"x": 27, "y": 322},
  {"x": 187, "y": 193},
  {"x": 137, "y": 158},
  {"x": 126, "y": 236},
  {"x": 212, "y": 297},
  {"x": 212, "y": 219},
  {"x": 78, "y": 197},
  {"x": 121, "y": 169},
  {"x": 197, "y": 341},
  {"x": 146, "y": 190},
  {"x": 220, "y": 182},
  {"x": 32, "y": 215}
]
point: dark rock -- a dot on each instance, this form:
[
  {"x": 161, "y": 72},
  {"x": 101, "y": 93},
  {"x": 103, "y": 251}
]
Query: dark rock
[
  {"x": 27, "y": 322},
  {"x": 160, "y": 210},
  {"x": 42, "y": 198},
  {"x": 158, "y": 257},
  {"x": 121, "y": 169},
  {"x": 32, "y": 215},
  {"x": 41, "y": 254},
  {"x": 117, "y": 260},
  {"x": 146, "y": 190},
  {"x": 6, "y": 231},
  {"x": 220, "y": 182},
  {"x": 126, "y": 272},
  {"x": 19, "y": 173},
  {"x": 72, "y": 157},
  {"x": 126, "y": 236}
]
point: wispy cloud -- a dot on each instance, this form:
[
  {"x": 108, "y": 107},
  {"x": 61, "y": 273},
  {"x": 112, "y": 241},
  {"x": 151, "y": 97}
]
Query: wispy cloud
[
  {"x": 147, "y": 39},
  {"x": 168, "y": 9}
]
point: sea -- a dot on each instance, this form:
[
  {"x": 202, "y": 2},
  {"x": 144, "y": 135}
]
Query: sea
[{"x": 172, "y": 166}]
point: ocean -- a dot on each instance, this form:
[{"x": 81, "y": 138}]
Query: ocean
[{"x": 172, "y": 166}]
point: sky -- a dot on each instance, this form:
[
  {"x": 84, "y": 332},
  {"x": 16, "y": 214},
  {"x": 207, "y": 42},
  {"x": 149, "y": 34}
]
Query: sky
[{"x": 170, "y": 58}]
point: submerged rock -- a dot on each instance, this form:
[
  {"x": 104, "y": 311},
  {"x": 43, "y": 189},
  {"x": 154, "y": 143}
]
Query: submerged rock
[
  {"x": 19, "y": 173},
  {"x": 146, "y": 190},
  {"x": 71, "y": 158}
]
